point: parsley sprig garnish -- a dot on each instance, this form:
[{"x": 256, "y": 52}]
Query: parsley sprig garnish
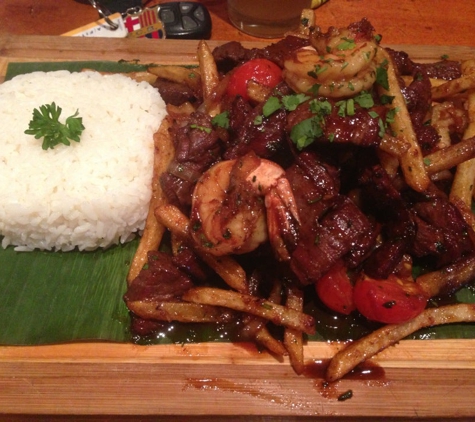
[{"x": 45, "y": 124}]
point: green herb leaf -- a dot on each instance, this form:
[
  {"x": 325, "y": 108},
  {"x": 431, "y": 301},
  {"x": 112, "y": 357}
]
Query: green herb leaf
[
  {"x": 221, "y": 120},
  {"x": 364, "y": 99},
  {"x": 305, "y": 132},
  {"x": 202, "y": 128},
  {"x": 45, "y": 124},
  {"x": 321, "y": 107},
  {"x": 347, "y": 44},
  {"x": 271, "y": 106},
  {"x": 382, "y": 75},
  {"x": 291, "y": 102}
]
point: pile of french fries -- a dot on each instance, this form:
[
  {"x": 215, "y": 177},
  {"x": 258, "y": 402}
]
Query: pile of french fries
[{"x": 400, "y": 154}]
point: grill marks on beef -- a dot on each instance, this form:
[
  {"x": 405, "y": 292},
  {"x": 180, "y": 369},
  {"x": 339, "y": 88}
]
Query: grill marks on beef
[
  {"x": 333, "y": 225},
  {"x": 385, "y": 203},
  {"x": 197, "y": 146}
]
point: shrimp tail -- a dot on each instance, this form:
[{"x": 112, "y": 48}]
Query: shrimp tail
[{"x": 282, "y": 218}]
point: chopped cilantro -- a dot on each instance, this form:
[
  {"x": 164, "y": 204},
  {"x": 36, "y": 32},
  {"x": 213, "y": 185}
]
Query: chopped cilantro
[
  {"x": 271, "y": 105},
  {"x": 364, "y": 99},
  {"x": 305, "y": 132},
  {"x": 291, "y": 102},
  {"x": 382, "y": 75},
  {"x": 199, "y": 127},
  {"x": 221, "y": 120},
  {"x": 347, "y": 44}
]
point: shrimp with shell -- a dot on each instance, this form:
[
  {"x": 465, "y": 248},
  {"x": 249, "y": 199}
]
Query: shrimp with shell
[
  {"x": 341, "y": 63},
  {"x": 239, "y": 204}
]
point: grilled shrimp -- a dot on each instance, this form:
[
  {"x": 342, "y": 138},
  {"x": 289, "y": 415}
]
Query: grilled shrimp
[
  {"x": 340, "y": 64},
  {"x": 239, "y": 204}
]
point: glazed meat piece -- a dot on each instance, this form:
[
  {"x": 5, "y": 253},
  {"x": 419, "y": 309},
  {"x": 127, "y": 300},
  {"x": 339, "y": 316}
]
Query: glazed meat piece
[
  {"x": 175, "y": 93},
  {"x": 445, "y": 69},
  {"x": 229, "y": 55},
  {"x": 441, "y": 230},
  {"x": 330, "y": 239},
  {"x": 196, "y": 148},
  {"x": 161, "y": 280},
  {"x": 333, "y": 225},
  {"x": 266, "y": 140}
]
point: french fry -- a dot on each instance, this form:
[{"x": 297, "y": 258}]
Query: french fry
[
  {"x": 449, "y": 157},
  {"x": 393, "y": 146},
  {"x": 411, "y": 160},
  {"x": 208, "y": 69},
  {"x": 173, "y": 219},
  {"x": 257, "y": 92},
  {"x": 262, "y": 334},
  {"x": 462, "y": 186},
  {"x": 448, "y": 279},
  {"x": 153, "y": 231},
  {"x": 179, "y": 311},
  {"x": 441, "y": 120},
  {"x": 361, "y": 350},
  {"x": 188, "y": 76},
  {"x": 453, "y": 87},
  {"x": 265, "y": 339},
  {"x": 225, "y": 266},
  {"x": 278, "y": 314},
  {"x": 293, "y": 339}
]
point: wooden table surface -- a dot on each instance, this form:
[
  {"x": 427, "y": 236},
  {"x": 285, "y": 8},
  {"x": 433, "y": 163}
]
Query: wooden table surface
[{"x": 430, "y": 22}]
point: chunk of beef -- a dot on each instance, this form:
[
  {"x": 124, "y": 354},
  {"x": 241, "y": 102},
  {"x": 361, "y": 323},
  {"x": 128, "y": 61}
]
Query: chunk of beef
[
  {"x": 266, "y": 139},
  {"x": 329, "y": 240},
  {"x": 445, "y": 69},
  {"x": 161, "y": 280},
  {"x": 332, "y": 226},
  {"x": 419, "y": 101},
  {"x": 360, "y": 128},
  {"x": 441, "y": 230},
  {"x": 385, "y": 203},
  {"x": 197, "y": 147},
  {"x": 231, "y": 54},
  {"x": 175, "y": 93}
]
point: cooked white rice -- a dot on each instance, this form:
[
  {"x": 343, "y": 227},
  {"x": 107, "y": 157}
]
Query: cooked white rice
[{"x": 91, "y": 194}]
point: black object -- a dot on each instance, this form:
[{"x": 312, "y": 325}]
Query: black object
[
  {"x": 120, "y": 6},
  {"x": 185, "y": 20}
]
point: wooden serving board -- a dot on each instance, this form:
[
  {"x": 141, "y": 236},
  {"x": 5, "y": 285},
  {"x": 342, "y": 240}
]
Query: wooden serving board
[{"x": 424, "y": 378}]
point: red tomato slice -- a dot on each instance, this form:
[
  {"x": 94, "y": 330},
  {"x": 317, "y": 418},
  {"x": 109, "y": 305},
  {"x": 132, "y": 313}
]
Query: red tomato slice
[
  {"x": 261, "y": 71},
  {"x": 390, "y": 301},
  {"x": 335, "y": 290}
]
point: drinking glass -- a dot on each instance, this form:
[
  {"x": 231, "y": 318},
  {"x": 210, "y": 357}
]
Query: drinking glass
[{"x": 266, "y": 18}]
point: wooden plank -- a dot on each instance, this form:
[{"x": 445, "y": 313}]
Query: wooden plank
[
  {"x": 412, "y": 379},
  {"x": 420, "y": 378},
  {"x": 46, "y": 48}
]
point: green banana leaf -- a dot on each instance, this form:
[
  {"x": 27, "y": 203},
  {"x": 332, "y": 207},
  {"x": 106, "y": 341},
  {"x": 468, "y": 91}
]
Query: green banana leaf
[{"x": 58, "y": 297}]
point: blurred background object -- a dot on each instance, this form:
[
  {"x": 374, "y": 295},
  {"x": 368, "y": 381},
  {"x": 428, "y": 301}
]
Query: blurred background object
[{"x": 266, "y": 18}]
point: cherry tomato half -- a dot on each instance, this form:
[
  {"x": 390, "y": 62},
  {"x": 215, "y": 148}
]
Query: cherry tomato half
[
  {"x": 261, "y": 71},
  {"x": 390, "y": 301},
  {"x": 335, "y": 290}
]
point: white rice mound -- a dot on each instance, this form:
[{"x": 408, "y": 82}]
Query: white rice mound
[{"x": 90, "y": 194}]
